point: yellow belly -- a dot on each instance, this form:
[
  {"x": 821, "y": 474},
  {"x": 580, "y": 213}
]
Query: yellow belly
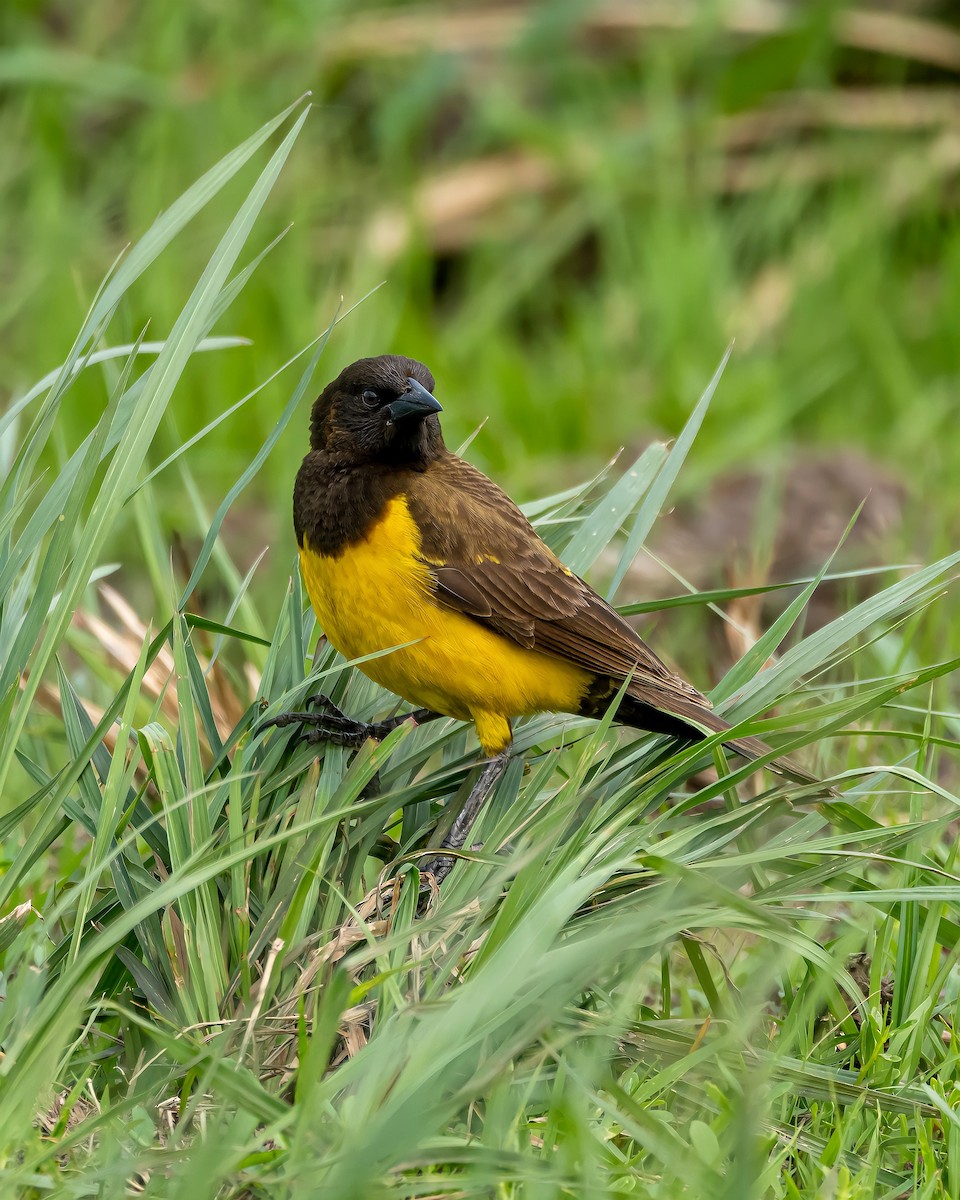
[{"x": 377, "y": 595}]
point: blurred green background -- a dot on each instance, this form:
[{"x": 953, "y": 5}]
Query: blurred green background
[
  {"x": 571, "y": 207},
  {"x": 568, "y": 210}
]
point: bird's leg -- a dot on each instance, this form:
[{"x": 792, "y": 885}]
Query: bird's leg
[
  {"x": 442, "y": 864},
  {"x": 329, "y": 724}
]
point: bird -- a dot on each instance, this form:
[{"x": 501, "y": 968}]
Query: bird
[{"x": 411, "y": 554}]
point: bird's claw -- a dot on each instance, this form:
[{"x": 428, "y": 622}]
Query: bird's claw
[
  {"x": 323, "y": 721},
  {"x": 319, "y": 701}
]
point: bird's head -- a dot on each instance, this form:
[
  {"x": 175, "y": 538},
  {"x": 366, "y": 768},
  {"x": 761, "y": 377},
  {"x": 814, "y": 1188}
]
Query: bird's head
[{"x": 379, "y": 410}]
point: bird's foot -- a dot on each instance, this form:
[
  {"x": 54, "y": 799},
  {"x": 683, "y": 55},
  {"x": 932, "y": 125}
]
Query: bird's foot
[
  {"x": 439, "y": 866},
  {"x": 324, "y": 722}
]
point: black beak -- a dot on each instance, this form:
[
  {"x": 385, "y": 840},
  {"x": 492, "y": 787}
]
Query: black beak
[{"x": 416, "y": 401}]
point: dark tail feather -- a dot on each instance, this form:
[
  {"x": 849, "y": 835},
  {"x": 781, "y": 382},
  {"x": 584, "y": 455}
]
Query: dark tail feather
[{"x": 692, "y": 722}]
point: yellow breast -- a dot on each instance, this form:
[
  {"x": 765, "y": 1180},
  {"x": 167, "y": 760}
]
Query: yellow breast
[{"x": 377, "y": 595}]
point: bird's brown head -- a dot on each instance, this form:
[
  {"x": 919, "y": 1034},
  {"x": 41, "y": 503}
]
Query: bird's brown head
[{"x": 379, "y": 410}]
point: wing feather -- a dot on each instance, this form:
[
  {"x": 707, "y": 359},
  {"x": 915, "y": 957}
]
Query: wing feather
[{"x": 488, "y": 563}]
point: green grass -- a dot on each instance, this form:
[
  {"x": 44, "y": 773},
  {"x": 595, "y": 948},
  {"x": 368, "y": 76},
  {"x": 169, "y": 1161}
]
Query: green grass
[
  {"x": 579, "y": 310},
  {"x": 649, "y": 980}
]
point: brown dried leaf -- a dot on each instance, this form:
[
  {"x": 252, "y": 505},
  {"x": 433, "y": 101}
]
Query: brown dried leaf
[
  {"x": 452, "y": 206},
  {"x": 397, "y": 33}
]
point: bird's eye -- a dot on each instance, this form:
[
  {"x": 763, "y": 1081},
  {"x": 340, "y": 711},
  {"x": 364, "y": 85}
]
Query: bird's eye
[{"x": 370, "y": 398}]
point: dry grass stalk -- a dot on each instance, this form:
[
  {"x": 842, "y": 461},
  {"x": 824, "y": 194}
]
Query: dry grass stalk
[
  {"x": 121, "y": 641},
  {"x": 492, "y": 28}
]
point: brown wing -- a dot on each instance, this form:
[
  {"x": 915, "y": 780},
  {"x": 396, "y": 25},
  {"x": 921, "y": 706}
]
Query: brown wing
[{"x": 489, "y": 563}]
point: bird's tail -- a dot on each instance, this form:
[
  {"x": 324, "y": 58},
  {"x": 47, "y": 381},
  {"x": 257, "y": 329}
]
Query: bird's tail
[{"x": 691, "y": 721}]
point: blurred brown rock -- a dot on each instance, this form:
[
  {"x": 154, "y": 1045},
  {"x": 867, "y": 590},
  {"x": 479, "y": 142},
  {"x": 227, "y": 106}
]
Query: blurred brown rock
[{"x": 768, "y": 526}]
